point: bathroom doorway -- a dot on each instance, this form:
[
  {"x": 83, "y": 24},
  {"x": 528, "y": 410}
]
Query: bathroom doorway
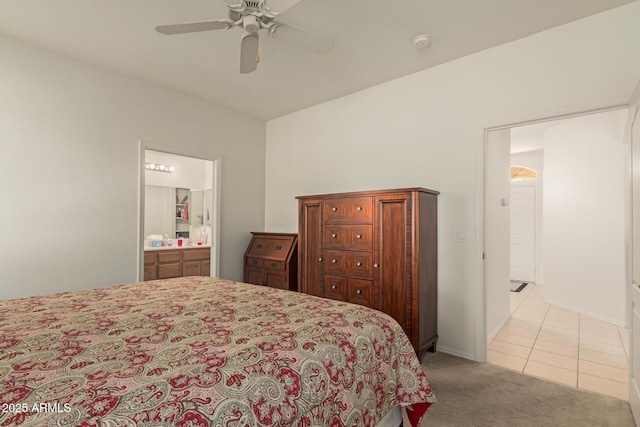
[{"x": 179, "y": 203}]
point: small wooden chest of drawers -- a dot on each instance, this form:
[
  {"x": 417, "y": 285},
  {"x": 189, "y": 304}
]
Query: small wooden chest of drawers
[{"x": 271, "y": 259}]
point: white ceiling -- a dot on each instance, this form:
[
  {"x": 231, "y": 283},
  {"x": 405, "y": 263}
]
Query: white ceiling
[{"x": 372, "y": 42}]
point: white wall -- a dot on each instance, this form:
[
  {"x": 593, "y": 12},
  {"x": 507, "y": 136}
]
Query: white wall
[
  {"x": 584, "y": 215},
  {"x": 427, "y": 129},
  {"x": 69, "y": 135}
]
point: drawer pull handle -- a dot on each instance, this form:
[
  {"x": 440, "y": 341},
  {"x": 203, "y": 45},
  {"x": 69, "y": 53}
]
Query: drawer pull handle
[
  {"x": 358, "y": 291},
  {"x": 358, "y": 263},
  {"x": 273, "y": 265},
  {"x": 255, "y": 262},
  {"x": 334, "y": 235},
  {"x": 376, "y": 265},
  {"x": 334, "y": 261},
  {"x": 320, "y": 259},
  {"x": 358, "y": 236},
  {"x": 334, "y": 209},
  {"x": 359, "y": 208},
  {"x": 334, "y": 287}
]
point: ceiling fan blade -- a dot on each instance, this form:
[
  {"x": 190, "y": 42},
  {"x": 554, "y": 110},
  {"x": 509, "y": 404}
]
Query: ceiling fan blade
[
  {"x": 299, "y": 37},
  {"x": 249, "y": 53},
  {"x": 194, "y": 27}
]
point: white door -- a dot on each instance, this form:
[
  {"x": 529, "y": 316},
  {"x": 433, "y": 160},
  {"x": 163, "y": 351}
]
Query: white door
[
  {"x": 634, "y": 328},
  {"x": 523, "y": 231}
]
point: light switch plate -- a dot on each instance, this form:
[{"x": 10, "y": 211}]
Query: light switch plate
[{"x": 459, "y": 234}]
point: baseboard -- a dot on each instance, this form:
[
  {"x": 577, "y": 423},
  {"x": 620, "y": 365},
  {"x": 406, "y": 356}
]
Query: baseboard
[
  {"x": 453, "y": 352},
  {"x": 634, "y": 400},
  {"x": 493, "y": 333}
]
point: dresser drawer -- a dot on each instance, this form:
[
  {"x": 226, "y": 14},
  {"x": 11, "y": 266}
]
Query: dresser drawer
[
  {"x": 273, "y": 265},
  {"x": 336, "y": 261},
  {"x": 255, "y": 262},
  {"x": 350, "y": 209},
  {"x": 165, "y": 257},
  {"x": 355, "y": 237},
  {"x": 196, "y": 254},
  {"x": 336, "y": 237},
  {"x": 336, "y": 287},
  {"x": 276, "y": 248},
  {"x": 360, "y": 264},
  {"x": 361, "y": 292},
  {"x": 356, "y": 291},
  {"x": 350, "y": 263}
]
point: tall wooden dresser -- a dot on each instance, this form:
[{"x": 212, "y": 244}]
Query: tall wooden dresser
[
  {"x": 375, "y": 248},
  {"x": 271, "y": 259}
]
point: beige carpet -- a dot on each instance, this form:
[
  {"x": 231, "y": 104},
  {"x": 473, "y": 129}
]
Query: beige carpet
[{"x": 481, "y": 394}]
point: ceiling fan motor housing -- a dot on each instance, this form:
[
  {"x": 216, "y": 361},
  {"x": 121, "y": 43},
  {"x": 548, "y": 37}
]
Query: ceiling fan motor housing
[{"x": 250, "y": 23}]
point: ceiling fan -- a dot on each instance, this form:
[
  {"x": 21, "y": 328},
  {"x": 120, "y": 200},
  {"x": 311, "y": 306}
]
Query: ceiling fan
[{"x": 253, "y": 16}]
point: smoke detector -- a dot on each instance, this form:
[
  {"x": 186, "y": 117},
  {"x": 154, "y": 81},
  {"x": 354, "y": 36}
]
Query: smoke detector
[{"x": 421, "y": 41}]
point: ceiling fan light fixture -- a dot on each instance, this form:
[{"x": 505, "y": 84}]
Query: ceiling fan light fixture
[{"x": 421, "y": 41}]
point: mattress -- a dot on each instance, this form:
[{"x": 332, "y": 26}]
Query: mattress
[{"x": 201, "y": 351}]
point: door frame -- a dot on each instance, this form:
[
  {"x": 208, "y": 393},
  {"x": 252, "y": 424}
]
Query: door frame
[
  {"x": 215, "y": 185},
  {"x": 481, "y": 297},
  {"x": 633, "y": 267}
]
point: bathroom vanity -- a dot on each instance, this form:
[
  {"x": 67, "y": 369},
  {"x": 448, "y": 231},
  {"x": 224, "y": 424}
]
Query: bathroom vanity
[{"x": 176, "y": 261}]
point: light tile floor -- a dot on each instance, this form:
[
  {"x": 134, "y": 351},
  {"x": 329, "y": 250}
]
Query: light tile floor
[{"x": 559, "y": 345}]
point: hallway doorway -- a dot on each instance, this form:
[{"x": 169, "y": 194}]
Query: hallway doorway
[{"x": 580, "y": 207}]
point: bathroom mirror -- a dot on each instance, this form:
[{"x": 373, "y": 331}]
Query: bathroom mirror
[
  {"x": 175, "y": 191},
  {"x": 174, "y": 212}
]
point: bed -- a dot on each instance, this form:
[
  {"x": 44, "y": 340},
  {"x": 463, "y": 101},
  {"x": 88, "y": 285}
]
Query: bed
[{"x": 202, "y": 351}]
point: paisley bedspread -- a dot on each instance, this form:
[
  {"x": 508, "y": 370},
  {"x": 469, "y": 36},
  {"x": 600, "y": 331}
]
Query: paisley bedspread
[{"x": 201, "y": 351}]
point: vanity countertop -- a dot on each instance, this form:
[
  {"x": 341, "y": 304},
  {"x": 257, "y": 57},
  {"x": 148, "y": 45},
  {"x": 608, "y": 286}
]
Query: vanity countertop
[{"x": 164, "y": 248}]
